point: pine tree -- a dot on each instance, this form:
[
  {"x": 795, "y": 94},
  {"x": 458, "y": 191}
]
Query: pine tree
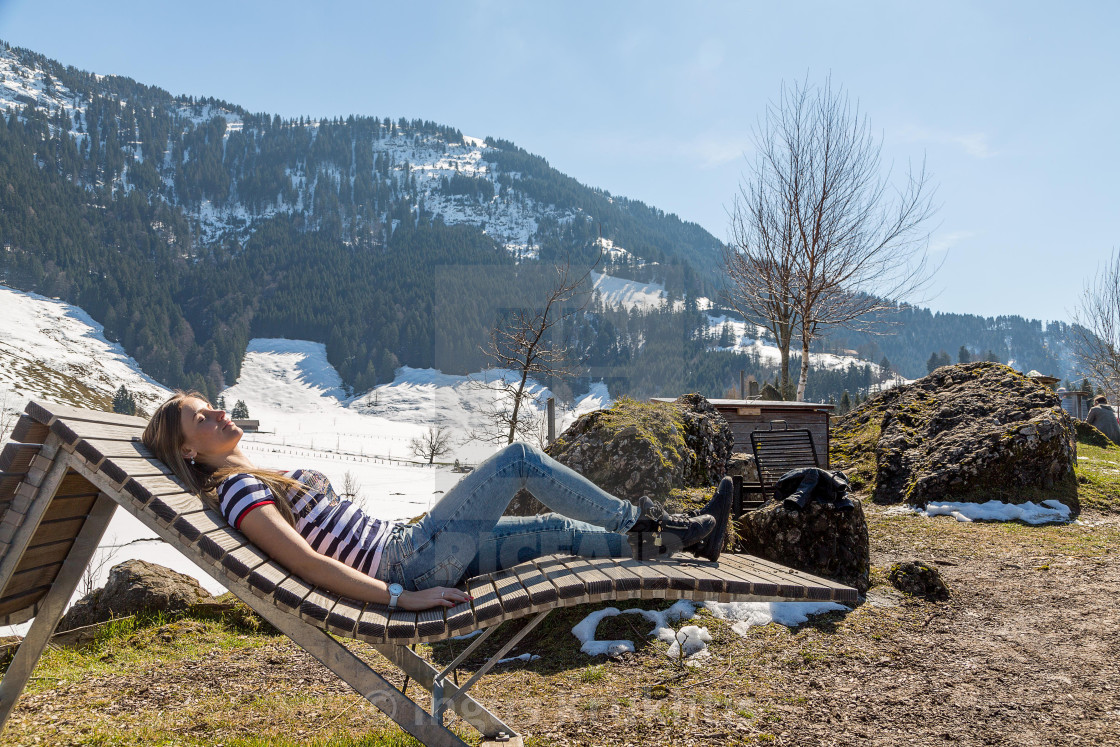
[
  {"x": 123, "y": 402},
  {"x": 221, "y": 403},
  {"x": 963, "y": 356},
  {"x": 240, "y": 411},
  {"x": 845, "y": 402}
]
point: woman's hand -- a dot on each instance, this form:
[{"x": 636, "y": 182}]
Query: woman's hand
[{"x": 437, "y": 596}]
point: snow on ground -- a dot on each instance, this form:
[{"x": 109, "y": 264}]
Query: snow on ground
[
  {"x": 749, "y": 614},
  {"x": 1049, "y": 512},
  {"x": 750, "y": 339},
  {"x": 690, "y": 643},
  {"x": 57, "y": 352}
]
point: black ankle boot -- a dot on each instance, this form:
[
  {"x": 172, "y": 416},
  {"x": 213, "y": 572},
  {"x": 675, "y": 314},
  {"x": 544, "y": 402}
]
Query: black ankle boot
[
  {"x": 658, "y": 534},
  {"x": 719, "y": 507}
]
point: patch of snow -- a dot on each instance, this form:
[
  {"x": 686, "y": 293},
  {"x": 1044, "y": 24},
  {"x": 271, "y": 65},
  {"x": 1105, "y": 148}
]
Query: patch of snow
[
  {"x": 522, "y": 657},
  {"x": 1051, "y": 511},
  {"x": 584, "y": 630},
  {"x": 746, "y": 615}
]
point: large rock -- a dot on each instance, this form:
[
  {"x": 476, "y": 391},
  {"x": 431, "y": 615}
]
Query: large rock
[
  {"x": 135, "y": 586},
  {"x": 818, "y": 539},
  {"x": 643, "y": 448},
  {"x": 973, "y": 432}
]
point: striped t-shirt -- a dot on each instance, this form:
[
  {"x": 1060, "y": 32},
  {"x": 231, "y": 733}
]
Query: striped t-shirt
[{"x": 333, "y": 526}]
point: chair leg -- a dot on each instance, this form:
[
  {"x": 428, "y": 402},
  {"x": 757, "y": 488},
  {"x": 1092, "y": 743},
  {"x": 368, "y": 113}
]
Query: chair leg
[
  {"x": 53, "y": 604},
  {"x": 356, "y": 673}
]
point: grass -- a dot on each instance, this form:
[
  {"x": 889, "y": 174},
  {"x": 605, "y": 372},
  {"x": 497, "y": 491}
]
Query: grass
[{"x": 1098, "y": 476}]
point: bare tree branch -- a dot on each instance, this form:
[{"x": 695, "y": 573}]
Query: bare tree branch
[
  {"x": 431, "y": 445},
  {"x": 523, "y": 344},
  {"x": 1096, "y": 328}
]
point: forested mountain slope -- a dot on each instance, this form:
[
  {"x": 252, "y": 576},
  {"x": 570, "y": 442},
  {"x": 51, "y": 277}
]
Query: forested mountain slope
[{"x": 188, "y": 226}]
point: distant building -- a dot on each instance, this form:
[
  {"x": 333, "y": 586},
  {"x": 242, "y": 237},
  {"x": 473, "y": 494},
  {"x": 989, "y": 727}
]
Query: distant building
[
  {"x": 249, "y": 426},
  {"x": 1076, "y": 403}
]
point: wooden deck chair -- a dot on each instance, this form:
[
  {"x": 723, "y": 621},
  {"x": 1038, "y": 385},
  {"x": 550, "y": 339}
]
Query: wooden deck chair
[
  {"x": 779, "y": 450},
  {"x": 66, "y": 470}
]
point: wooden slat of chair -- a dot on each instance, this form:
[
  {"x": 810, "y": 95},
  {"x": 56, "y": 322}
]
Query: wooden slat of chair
[
  {"x": 460, "y": 618},
  {"x": 343, "y": 617},
  {"x": 486, "y": 602},
  {"x": 266, "y": 578},
  {"x": 44, "y": 554},
  {"x": 45, "y": 412},
  {"x": 193, "y": 524},
  {"x": 16, "y": 458},
  {"x": 317, "y": 605},
  {"x": 32, "y": 578},
  {"x": 542, "y": 592},
  {"x": 402, "y": 625},
  {"x": 373, "y": 623},
  {"x": 514, "y": 598},
  {"x": 567, "y": 583},
  {"x": 598, "y": 584},
  {"x": 742, "y": 581},
  {"x": 786, "y": 587},
  {"x": 816, "y": 587},
  {"x": 839, "y": 592},
  {"x": 703, "y": 579},
  {"x": 69, "y": 507},
  {"x": 119, "y": 449},
  {"x": 239, "y": 561},
  {"x": 431, "y": 624},
  {"x": 627, "y": 584},
  {"x": 290, "y": 593},
  {"x": 155, "y": 486},
  {"x": 167, "y": 508},
  {"x": 654, "y": 583},
  {"x": 68, "y": 431},
  {"x": 29, "y": 431},
  {"x": 21, "y": 600}
]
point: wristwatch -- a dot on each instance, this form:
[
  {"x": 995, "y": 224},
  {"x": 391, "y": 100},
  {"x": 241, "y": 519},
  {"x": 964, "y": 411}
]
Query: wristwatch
[{"x": 395, "y": 591}]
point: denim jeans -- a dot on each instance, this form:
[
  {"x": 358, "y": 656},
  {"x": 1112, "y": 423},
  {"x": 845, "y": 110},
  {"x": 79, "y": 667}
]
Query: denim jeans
[{"x": 465, "y": 533}]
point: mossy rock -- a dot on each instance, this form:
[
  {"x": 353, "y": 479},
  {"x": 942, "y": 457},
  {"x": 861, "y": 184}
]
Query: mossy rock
[
  {"x": 643, "y": 448},
  {"x": 1091, "y": 436},
  {"x": 972, "y": 432}
]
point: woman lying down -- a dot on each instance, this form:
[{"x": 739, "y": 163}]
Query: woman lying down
[{"x": 299, "y": 521}]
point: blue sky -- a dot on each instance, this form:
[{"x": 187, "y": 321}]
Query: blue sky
[{"x": 1014, "y": 105}]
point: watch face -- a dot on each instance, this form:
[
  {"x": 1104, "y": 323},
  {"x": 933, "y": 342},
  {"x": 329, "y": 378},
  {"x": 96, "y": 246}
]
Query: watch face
[{"x": 396, "y": 590}]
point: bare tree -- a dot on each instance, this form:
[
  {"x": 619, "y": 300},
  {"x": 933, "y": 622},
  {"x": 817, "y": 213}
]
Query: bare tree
[
  {"x": 434, "y": 443},
  {"x": 1096, "y": 328},
  {"x": 524, "y": 342},
  {"x": 350, "y": 485},
  {"x": 760, "y": 261},
  {"x": 820, "y": 212}
]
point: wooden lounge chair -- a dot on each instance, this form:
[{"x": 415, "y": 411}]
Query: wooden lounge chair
[
  {"x": 66, "y": 470},
  {"x": 779, "y": 450}
]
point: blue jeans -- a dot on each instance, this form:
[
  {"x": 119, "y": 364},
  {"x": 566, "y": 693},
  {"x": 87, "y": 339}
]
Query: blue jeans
[{"x": 465, "y": 533}]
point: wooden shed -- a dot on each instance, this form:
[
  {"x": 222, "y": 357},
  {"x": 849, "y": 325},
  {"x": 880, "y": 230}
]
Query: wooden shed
[{"x": 748, "y": 415}]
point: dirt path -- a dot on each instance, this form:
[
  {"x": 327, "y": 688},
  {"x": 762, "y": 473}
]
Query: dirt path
[{"x": 1025, "y": 652}]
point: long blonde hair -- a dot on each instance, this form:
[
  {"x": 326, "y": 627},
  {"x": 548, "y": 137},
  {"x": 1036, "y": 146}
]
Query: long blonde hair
[{"x": 164, "y": 438}]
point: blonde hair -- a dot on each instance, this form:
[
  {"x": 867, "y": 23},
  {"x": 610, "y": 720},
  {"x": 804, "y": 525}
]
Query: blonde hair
[{"x": 164, "y": 438}]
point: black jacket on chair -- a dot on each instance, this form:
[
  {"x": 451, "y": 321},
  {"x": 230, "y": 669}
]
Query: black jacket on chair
[{"x": 800, "y": 486}]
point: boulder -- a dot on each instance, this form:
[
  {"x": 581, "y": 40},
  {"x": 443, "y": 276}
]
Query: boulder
[
  {"x": 643, "y": 448},
  {"x": 818, "y": 539},
  {"x": 745, "y": 466},
  {"x": 919, "y": 579},
  {"x": 135, "y": 586},
  {"x": 972, "y": 432}
]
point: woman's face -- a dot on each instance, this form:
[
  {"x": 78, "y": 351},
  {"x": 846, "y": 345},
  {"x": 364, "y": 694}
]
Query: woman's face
[{"x": 208, "y": 433}]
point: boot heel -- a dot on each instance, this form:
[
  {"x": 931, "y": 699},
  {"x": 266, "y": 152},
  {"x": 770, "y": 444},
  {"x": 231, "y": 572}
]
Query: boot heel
[{"x": 644, "y": 545}]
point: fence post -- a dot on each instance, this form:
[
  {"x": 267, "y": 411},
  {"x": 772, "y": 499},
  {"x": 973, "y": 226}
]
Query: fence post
[{"x": 551, "y": 419}]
